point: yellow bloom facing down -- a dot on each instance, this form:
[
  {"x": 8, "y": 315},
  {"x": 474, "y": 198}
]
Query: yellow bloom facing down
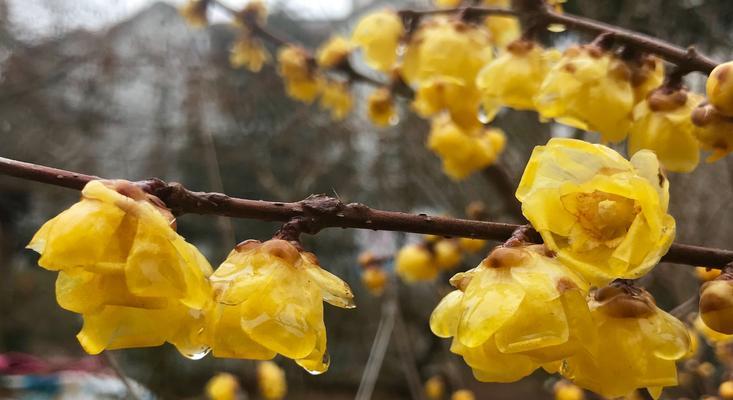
[
  {"x": 269, "y": 300},
  {"x": 514, "y": 78},
  {"x": 299, "y": 78},
  {"x": 123, "y": 267},
  {"x": 662, "y": 123},
  {"x": 589, "y": 89},
  {"x": 414, "y": 263},
  {"x": 464, "y": 153},
  {"x": 336, "y": 97},
  {"x": 713, "y": 131},
  {"x": 463, "y": 394},
  {"x": 605, "y": 217},
  {"x": 460, "y": 100},
  {"x": 446, "y": 48},
  {"x": 249, "y": 52},
  {"x": 381, "y": 108},
  {"x": 222, "y": 386},
  {"x": 374, "y": 279},
  {"x": 447, "y": 254},
  {"x": 503, "y": 29},
  {"x": 434, "y": 388},
  {"x": 334, "y": 52},
  {"x": 640, "y": 344},
  {"x": 271, "y": 381},
  {"x": 517, "y": 311},
  {"x": 378, "y": 34}
]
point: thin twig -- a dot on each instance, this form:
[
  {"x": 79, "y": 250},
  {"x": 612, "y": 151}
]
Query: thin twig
[
  {"x": 112, "y": 362},
  {"x": 319, "y": 211},
  {"x": 379, "y": 347}
]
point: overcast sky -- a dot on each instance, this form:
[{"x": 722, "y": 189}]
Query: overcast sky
[{"x": 43, "y": 18}]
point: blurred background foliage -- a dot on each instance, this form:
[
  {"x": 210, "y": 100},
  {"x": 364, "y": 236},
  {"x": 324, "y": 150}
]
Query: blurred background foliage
[{"x": 148, "y": 96}]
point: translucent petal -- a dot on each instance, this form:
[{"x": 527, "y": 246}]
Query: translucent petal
[
  {"x": 335, "y": 291},
  {"x": 229, "y": 340},
  {"x": 126, "y": 327},
  {"x": 446, "y": 316},
  {"x": 537, "y": 324},
  {"x": 286, "y": 315},
  {"x": 489, "y": 365},
  {"x": 489, "y": 304}
]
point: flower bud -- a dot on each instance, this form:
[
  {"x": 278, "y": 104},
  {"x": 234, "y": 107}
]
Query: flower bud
[
  {"x": 716, "y": 304},
  {"x": 719, "y": 88}
]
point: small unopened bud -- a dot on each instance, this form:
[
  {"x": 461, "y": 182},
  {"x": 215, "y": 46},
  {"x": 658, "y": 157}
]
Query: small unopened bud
[{"x": 716, "y": 304}]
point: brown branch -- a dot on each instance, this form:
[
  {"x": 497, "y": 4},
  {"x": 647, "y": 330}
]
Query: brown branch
[
  {"x": 535, "y": 12},
  {"x": 346, "y": 68},
  {"x": 320, "y": 211}
]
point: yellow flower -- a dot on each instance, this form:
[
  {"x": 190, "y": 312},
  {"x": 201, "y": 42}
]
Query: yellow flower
[
  {"x": 725, "y": 390},
  {"x": 514, "y": 78},
  {"x": 447, "y": 254},
  {"x": 414, "y": 263},
  {"x": 336, "y": 97},
  {"x": 517, "y": 311},
  {"x": 269, "y": 300},
  {"x": 449, "y": 94},
  {"x": 222, "y": 386},
  {"x": 123, "y": 267},
  {"x": 463, "y": 394},
  {"x": 565, "y": 390},
  {"x": 662, "y": 123},
  {"x": 464, "y": 153},
  {"x": 640, "y": 344},
  {"x": 705, "y": 274},
  {"x": 334, "y": 52},
  {"x": 271, "y": 381},
  {"x": 194, "y": 12},
  {"x": 380, "y": 107},
  {"x": 294, "y": 67},
  {"x": 471, "y": 245},
  {"x": 646, "y": 75},
  {"x": 248, "y": 52},
  {"x": 606, "y": 217},
  {"x": 378, "y": 34},
  {"x": 719, "y": 88},
  {"x": 589, "y": 89},
  {"x": 374, "y": 279},
  {"x": 713, "y": 131},
  {"x": 503, "y": 29},
  {"x": 434, "y": 388},
  {"x": 716, "y": 304},
  {"x": 446, "y": 48}
]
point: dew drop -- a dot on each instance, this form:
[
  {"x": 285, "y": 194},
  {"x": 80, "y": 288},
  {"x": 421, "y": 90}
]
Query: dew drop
[
  {"x": 196, "y": 354},
  {"x": 394, "y": 120}
]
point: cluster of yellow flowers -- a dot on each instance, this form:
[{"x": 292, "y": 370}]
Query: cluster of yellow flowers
[
  {"x": 424, "y": 260},
  {"x": 603, "y": 219},
  {"x": 137, "y": 283}
]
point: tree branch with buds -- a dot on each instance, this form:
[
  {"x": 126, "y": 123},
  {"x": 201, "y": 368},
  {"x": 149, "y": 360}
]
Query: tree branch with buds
[{"x": 319, "y": 211}]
